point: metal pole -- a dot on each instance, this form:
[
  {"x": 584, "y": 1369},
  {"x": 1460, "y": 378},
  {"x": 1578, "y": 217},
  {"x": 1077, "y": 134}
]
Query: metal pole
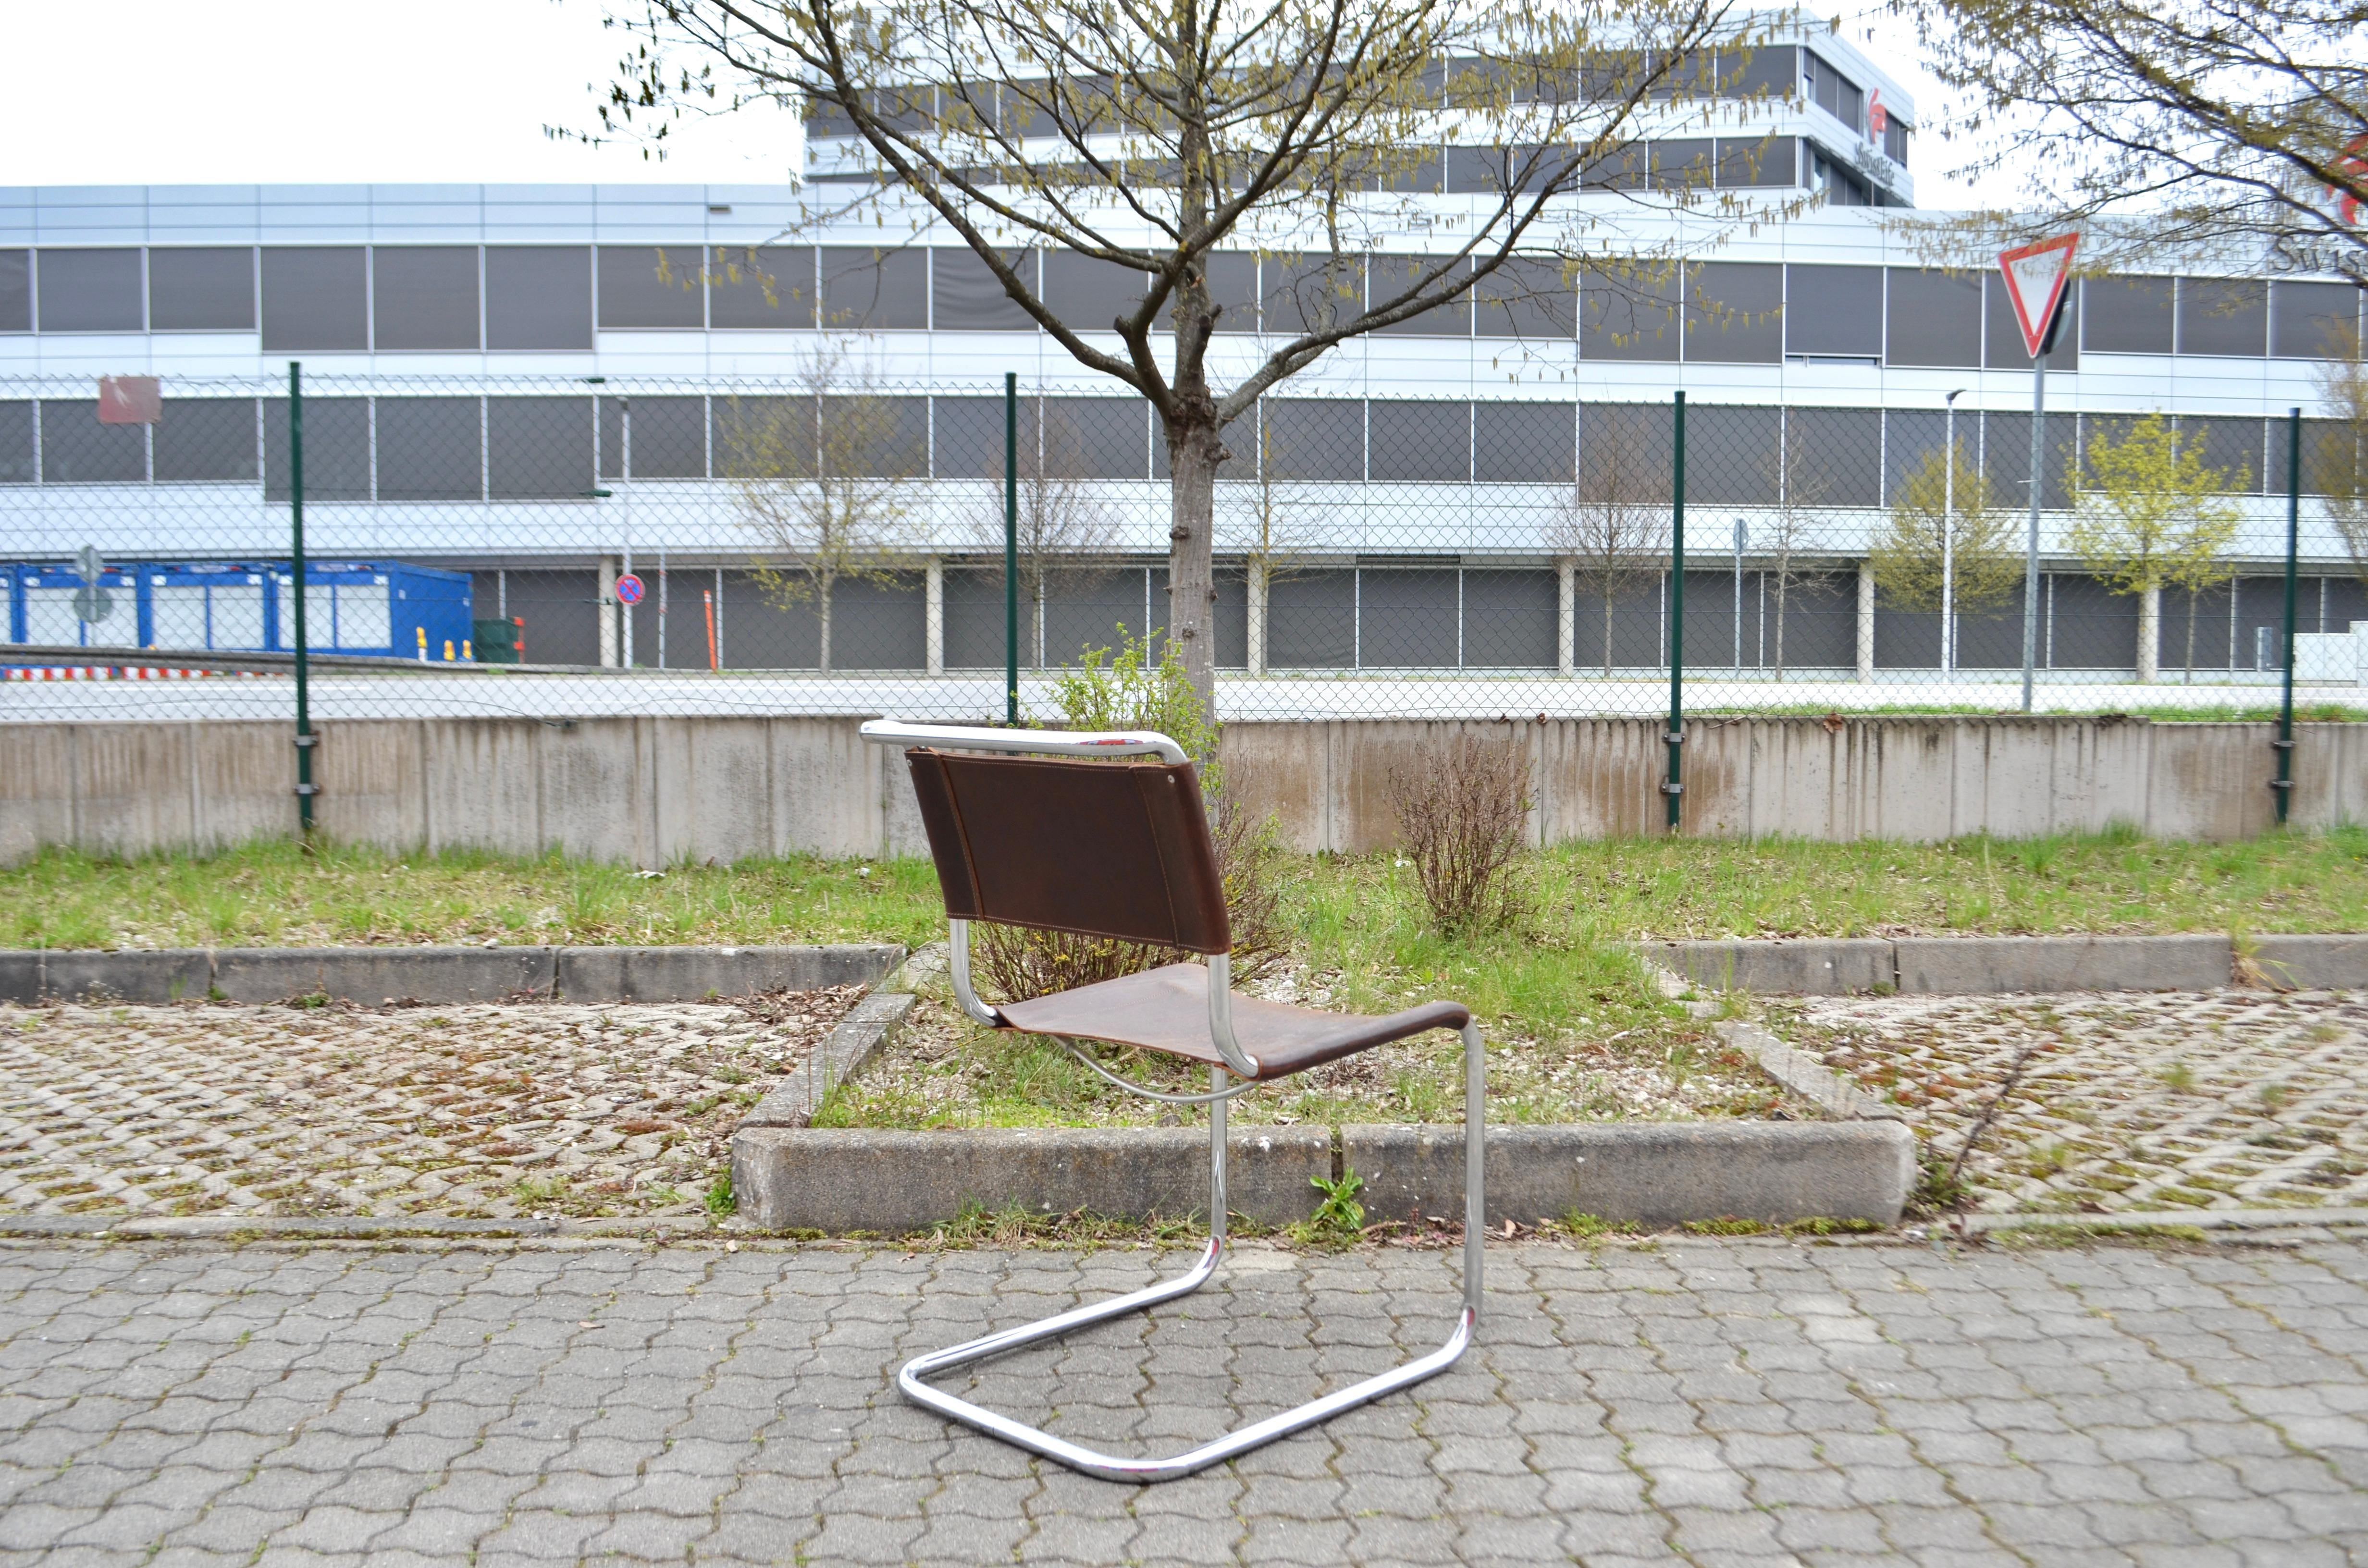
[
  {"x": 1948, "y": 538},
  {"x": 305, "y": 788},
  {"x": 1674, "y": 785},
  {"x": 625, "y": 509},
  {"x": 2031, "y": 552},
  {"x": 1741, "y": 534},
  {"x": 1011, "y": 547},
  {"x": 2283, "y": 783}
]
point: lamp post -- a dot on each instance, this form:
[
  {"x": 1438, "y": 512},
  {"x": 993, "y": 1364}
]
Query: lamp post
[
  {"x": 1949, "y": 535},
  {"x": 1742, "y": 538}
]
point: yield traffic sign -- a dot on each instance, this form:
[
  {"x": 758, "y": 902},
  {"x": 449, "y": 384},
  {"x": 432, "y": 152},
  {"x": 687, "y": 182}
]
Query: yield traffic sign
[{"x": 2036, "y": 278}]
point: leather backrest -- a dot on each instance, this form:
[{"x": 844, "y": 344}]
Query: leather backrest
[{"x": 1118, "y": 849}]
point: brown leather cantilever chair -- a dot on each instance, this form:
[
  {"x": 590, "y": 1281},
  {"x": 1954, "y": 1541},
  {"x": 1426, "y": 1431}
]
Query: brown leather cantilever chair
[{"x": 1042, "y": 839}]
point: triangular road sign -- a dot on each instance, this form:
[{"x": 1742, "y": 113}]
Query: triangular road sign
[{"x": 2035, "y": 278}]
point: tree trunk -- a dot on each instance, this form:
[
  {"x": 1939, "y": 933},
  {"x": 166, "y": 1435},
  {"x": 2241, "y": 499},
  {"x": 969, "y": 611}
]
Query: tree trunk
[
  {"x": 2188, "y": 679},
  {"x": 1194, "y": 451},
  {"x": 1607, "y": 625},
  {"x": 1260, "y": 585},
  {"x": 822, "y": 617},
  {"x": 1783, "y": 576},
  {"x": 2150, "y": 636}
]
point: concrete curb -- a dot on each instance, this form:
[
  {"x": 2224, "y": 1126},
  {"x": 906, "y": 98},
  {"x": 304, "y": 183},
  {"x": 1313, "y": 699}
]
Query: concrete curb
[
  {"x": 1804, "y": 1077},
  {"x": 1646, "y": 1173},
  {"x": 2198, "y": 1218},
  {"x": 437, "y": 974},
  {"x": 329, "y": 1227},
  {"x": 873, "y": 1022},
  {"x": 1980, "y": 966}
]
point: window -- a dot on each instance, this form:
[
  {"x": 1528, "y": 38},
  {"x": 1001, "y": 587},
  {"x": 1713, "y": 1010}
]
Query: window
[
  {"x": 539, "y": 448},
  {"x": 1524, "y": 443},
  {"x": 757, "y": 437},
  {"x": 768, "y": 287},
  {"x": 1833, "y": 457},
  {"x": 1096, "y": 438},
  {"x": 2223, "y": 316},
  {"x": 1307, "y": 293},
  {"x": 16, "y": 290},
  {"x": 874, "y": 290},
  {"x": 1682, "y": 166},
  {"x": 314, "y": 298},
  {"x": 77, "y": 449},
  {"x": 1732, "y": 455},
  {"x": 1911, "y": 437},
  {"x": 1311, "y": 621},
  {"x": 1316, "y": 437},
  {"x": 1479, "y": 170},
  {"x": 1087, "y": 608},
  {"x": 16, "y": 442},
  {"x": 1508, "y": 619},
  {"x": 424, "y": 296},
  {"x": 2006, "y": 459},
  {"x": 651, "y": 287},
  {"x": 1408, "y": 618},
  {"x": 2002, "y": 334},
  {"x": 336, "y": 448},
  {"x": 2235, "y": 446},
  {"x": 969, "y": 432},
  {"x": 90, "y": 290},
  {"x": 1617, "y": 168},
  {"x": 2127, "y": 315},
  {"x": 1735, "y": 312},
  {"x": 1933, "y": 318},
  {"x": 886, "y": 438},
  {"x": 1748, "y": 162},
  {"x": 206, "y": 441},
  {"x": 209, "y": 289},
  {"x": 1530, "y": 298},
  {"x": 1625, "y": 454},
  {"x": 1822, "y": 84},
  {"x": 1895, "y": 140},
  {"x": 1629, "y": 314},
  {"x": 1234, "y": 289},
  {"x": 1771, "y": 72},
  {"x": 1391, "y": 275},
  {"x": 429, "y": 449},
  {"x": 669, "y": 437},
  {"x": 1090, "y": 294},
  {"x": 1414, "y": 170},
  {"x": 539, "y": 297},
  {"x": 967, "y": 296},
  {"x": 2313, "y": 321},
  {"x": 1421, "y": 440}
]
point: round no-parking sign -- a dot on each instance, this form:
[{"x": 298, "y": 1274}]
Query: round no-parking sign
[{"x": 629, "y": 589}]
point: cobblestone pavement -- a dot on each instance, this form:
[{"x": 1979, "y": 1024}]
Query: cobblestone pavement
[
  {"x": 2203, "y": 1100},
  {"x": 1704, "y": 1401},
  {"x": 478, "y": 1111}
]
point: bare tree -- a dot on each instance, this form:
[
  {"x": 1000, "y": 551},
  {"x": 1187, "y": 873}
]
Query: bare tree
[
  {"x": 2336, "y": 451},
  {"x": 1802, "y": 491},
  {"x": 1062, "y": 528},
  {"x": 1613, "y": 524},
  {"x": 1271, "y": 522},
  {"x": 1146, "y": 140},
  {"x": 823, "y": 476}
]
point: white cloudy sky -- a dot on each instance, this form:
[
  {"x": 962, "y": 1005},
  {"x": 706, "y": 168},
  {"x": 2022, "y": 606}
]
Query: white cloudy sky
[{"x": 167, "y": 92}]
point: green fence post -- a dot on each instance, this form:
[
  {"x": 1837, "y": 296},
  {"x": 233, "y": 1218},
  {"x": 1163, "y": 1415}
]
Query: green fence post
[
  {"x": 2284, "y": 784},
  {"x": 1011, "y": 547},
  {"x": 305, "y": 788},
  {"x": 1674, "y": 785}
]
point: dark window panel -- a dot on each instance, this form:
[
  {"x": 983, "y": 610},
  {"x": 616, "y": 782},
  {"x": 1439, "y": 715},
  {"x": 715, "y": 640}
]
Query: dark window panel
[
  {"x": 879, "y": 625},
  {"x": 1390, "y": 275},
  {"x": 1895, "y": 140},
  {"x": 1619, "y": 168},
  {"x": 1530, "y": 298},
  {"x": 969, "y": 436},
  {"x": 2205, "y": 614},
  {"x": 2127, "y": 315},
  {"x": 2089, "y": 626},
  {"x": 651, "y": 287},
  {"x": 2002, "y": 334},
  {"x": 206, "y": 441},
  {"x": 767, "y": 288},
  {"x": 886, "y": 437},
  {"x": 1770, "y": 72},
  {"x": 1629, "y": 314},
  {"x": 2238, "y": 447},
  {"x": 1625, "y": 609},
  {"x": 1090, "y": 294},
  {"x": 1711, "y": 614},
  {"x": 77, "y": 449},
  {"x": 1905, "y": 639},
  {"x": 424, "y": 296},
  {"x": 967, "y": 296},
  {"x": 1811, "y": 620},
  {"x": 669, "y": 437},
  {"x": 1307, "y": 293},
  {"x": 1311, "y": 621},
  {"x": 1231, "y": 617},
  {"x": 1096, "y": 437},
  {"x": 1316, "y": 437},
  {"x": 874, "y": 624},
  {"x": 1735, "y": 312},
  {"x": 1682, "y": 165},
  {"x": 1834, "y": 456},
  {"x": 874, "y": 290},
  {"x": 2331, "y": 457},
  {"x": 2226, "y": 316},
  {"x": 90, "y": 290},
  {"x": 2345, "y": 601},
  {"x": 538, "y": 296},
  {"x": 2313, "y": 321},
  {"x": 973, "y": 620},
  {"x": 759, "y": 438},
  {"x": 1413, "y": 171},
  {"x": 2006, "y": 459},
  {"x": 824, "y": 117},
  {"x": 539, "y": 448},
  {"x": 1509, "y": 620},
  {"x": 1911, "y": 435},
  {"x": 1090, "y": 608},
  {"x": 1234, "y": 287},
  {"x": 1524, "y": 443},
  {"x": 1733, "y": 455},
  {"x": 1415, "y": 440},
  {"x": 16, "y": 290},
  {"x": 562, "y": 612},
  {"x": 429, "y": 449},
  {"x": 1748, "y": 163},
  {"x": 1990, "y": 639},
  {"x": 315, "y": 298},
  {"x": 1932, "y": 318},
  {"x": 17, "y": 441},
  {"x": 201, "y": 288},
  {"x": 1407, "y": 619},
  {"x": 1480, "y": 170},
  {"x": 1626, "y": 452},
  {"x": 1833, "y": 310},
  {"x": 336, "y": 448}
]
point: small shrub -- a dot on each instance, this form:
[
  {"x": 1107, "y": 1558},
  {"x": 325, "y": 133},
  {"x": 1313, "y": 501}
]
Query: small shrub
[{"x": 1463, "y": 809}]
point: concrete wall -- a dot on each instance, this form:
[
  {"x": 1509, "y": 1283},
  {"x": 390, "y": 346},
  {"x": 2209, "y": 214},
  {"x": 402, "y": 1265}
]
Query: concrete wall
[{"x": 656, "y": 791}]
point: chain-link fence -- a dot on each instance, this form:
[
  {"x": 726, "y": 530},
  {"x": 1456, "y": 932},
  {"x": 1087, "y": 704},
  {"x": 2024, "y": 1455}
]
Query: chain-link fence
[{"x": 831, "y": 544}]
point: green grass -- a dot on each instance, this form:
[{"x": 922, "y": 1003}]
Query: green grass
[{"x": 2168, "y": 713}]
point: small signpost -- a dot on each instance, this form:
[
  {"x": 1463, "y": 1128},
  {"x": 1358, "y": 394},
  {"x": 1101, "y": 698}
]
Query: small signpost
[
  {"x": 629, "y": 589},
  {"x": 92, "y": 602},
  {"x": 2038, "y": 282}
]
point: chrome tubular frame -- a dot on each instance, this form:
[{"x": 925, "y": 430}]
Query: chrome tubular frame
[{"x": 910, "y": 1377}]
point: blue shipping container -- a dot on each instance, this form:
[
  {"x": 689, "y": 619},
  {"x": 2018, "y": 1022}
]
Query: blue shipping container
[
  {"x": 381, "y": 607},
  {"x": 375, "y": 606}
]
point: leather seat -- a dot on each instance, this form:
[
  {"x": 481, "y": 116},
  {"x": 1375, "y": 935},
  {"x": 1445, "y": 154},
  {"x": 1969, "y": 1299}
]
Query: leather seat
[{"x": 1167, "y": 1010}]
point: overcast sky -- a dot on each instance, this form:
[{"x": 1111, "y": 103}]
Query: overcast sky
[{"x": 158, "y": 92}]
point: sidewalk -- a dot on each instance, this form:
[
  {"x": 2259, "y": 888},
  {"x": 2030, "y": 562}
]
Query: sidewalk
[{"x": 1700, "y": 1400}]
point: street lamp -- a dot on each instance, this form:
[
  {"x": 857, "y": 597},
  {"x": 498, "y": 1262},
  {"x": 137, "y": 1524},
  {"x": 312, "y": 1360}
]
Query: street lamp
[{"x": 1947, "y": 536}]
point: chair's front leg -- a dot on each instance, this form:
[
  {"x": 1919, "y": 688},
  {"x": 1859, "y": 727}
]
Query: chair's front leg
[
  {"x": 1217, "y": 1199},
  {"x": 1476, "y": 1165}
]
